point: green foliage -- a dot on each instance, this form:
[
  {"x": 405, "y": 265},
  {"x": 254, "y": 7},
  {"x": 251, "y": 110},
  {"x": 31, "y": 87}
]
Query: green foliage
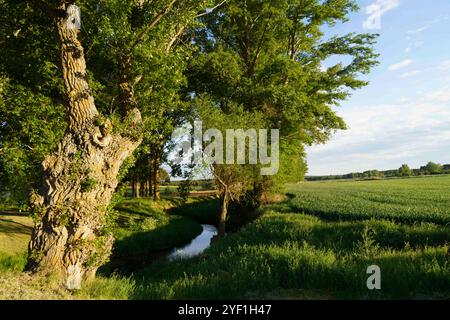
[
  {"x": 99, "y": 255},
  {"x": 112, "y": 32},
  {"x": 31, "y": 103},
  {"x": 266, "y": 57},
  {"x": 88, "y": 184},
  {"x": 29, "y": 131},
  {"x": 368, "y": 246},
  {"x": 202, "y": 210},
  {"x": 431, "y": 168},
  {"x": 284, "y": 254},
  {"x": 184, "y": 189},
  {"x": 405, "y": 171}
]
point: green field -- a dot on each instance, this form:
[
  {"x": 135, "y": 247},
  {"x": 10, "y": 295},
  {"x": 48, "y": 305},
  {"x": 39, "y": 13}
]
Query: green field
[
  {"x": 403, "y": 200},
  {"x": 318, "y": 244}
]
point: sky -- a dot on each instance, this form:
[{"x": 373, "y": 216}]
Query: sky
[{"x": 403, "y": 115}]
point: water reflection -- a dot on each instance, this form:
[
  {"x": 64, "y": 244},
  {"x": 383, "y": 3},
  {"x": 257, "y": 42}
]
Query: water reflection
[{"x": 196, "y": 246}]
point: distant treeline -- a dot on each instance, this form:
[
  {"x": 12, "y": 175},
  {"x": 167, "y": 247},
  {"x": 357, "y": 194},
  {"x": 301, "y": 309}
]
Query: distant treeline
[
  {"x": 200, "y": 184},
  {"x": 430, "y": 168}
]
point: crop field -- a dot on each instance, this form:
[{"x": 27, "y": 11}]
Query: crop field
[{"x": 413, "y": 200}]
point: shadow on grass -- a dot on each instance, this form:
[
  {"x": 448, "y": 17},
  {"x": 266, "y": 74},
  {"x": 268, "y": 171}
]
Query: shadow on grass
[
  {"x": 13, "y": 213},
  {"x": 10, "y": 226},
  {"x": 202, "y": 210}
]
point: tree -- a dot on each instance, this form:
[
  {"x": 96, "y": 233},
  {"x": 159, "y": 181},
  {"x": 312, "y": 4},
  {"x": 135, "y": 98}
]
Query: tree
[
  {"x": 232, "y": 180},
  {"x": 80, "y": 178},
  {"x": 157, "y": 75},
  {"x": 268, "y": 56},
  {"x": 432, "y": 168},
  {"x": 405, "y": 171}
]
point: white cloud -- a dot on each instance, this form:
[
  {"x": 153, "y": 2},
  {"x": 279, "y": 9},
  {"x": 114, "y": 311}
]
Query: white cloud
[
  {"x": 416, "y": 31},
  {"x": 445, "y": 65},
  {"x": 376, "y": 10},
  {"x": 400, "y": 65},
  {"x": 440, "y": 96},
  {"x": 410, "y": 74},
  {"x": 385, "y": 136}
]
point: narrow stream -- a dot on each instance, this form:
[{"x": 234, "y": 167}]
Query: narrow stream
[{"x": 196, "y": 246}]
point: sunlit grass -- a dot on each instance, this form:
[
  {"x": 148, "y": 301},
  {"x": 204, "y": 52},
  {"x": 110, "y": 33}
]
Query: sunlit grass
[
  {"x": 288, "y": 254},
  {"x": 404, "y": 200}
]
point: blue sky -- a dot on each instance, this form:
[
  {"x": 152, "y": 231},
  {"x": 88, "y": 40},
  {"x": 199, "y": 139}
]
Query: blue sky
[{"x": 403, "y": 116}]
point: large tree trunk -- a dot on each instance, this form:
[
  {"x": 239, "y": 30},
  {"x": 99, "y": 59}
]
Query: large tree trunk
[
  {"x": 223, "y": 214},
  {"x": 79, "y": 178}
]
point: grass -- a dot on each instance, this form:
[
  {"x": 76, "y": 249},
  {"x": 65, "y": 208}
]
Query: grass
[
  {"x": 15, "y": 232},
  {"x": 317, "y": 244},
  {"x": 113, "y": 287},
  {"x": 12, "y": 261},
  {"x": 285, "y": 252},
  {"x": 401, "y": 200}
]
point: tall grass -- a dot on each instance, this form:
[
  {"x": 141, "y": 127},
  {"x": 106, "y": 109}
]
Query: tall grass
[
  {"x": 15, "y": 262},
  {"x": 289, "y": 252},
  {"x": 113, "y": 287},
  {"x": 286, "y": 253}
]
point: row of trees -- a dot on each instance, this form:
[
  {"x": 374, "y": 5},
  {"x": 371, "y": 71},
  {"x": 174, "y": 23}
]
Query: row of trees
[
  {"x": 431, "y": 168},
  {"x": 98, "y": 105}
]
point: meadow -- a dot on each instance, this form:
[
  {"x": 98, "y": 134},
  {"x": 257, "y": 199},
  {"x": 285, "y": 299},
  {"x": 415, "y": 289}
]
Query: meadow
[{"x": 315, "y": 245}]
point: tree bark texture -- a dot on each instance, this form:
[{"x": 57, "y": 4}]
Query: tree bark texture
[{"x": 79, "y": 178}]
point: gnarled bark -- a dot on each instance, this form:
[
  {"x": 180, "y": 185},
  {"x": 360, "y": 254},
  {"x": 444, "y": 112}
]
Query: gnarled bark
[{"x": 79, "y": 179}]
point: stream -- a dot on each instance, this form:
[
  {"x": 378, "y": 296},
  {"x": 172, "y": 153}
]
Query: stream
[{"x": 196, "y": 246}]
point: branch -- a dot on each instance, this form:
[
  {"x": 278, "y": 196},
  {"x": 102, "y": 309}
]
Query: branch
[
  {"x": 174, "y": 39},
  {"x": 225, "y": 186},
  {"x": 158, "y": 18},
  {"x": 209, "y": 10},
  {"x": 258, "y": 48},
  {"x": 218, "y": 179}
]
